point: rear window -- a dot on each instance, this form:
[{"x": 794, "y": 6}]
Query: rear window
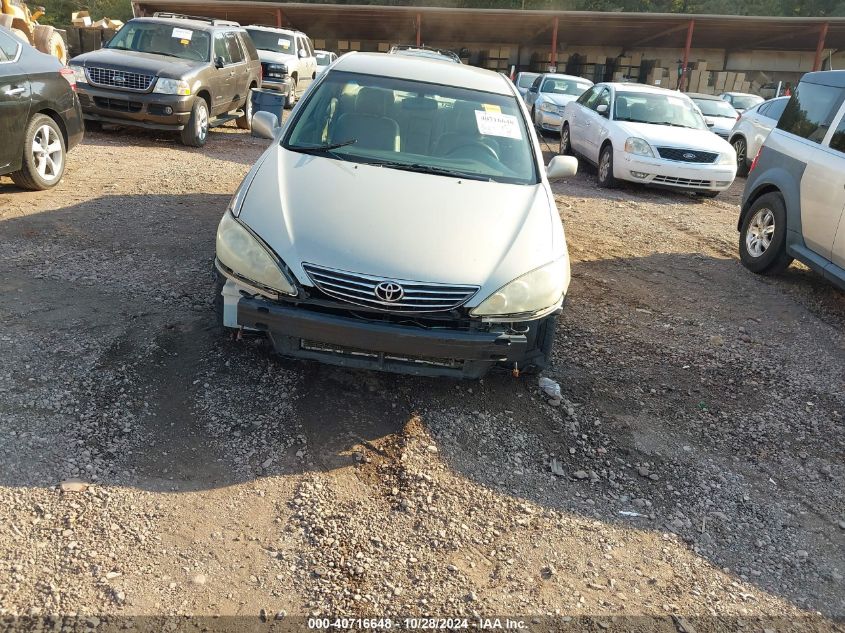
[
  {"x": 8, "y": 48},
  {"x": 810, "y": 111}
]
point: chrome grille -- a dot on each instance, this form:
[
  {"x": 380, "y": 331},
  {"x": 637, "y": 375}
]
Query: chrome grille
[
  {"x": 119, "y": 79},
  {"x": 687, "y": 155},
  {"x": 360, "y": 290},
  {"x": 682, "y": 182}
]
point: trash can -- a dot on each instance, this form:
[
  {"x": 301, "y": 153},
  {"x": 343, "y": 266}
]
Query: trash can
[{"x": 272, "y": 101}]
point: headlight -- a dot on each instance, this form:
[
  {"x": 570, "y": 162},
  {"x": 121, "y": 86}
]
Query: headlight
[
  {"x": 728, "y": 158},
  {"x": 534, "y": 292},
  {"x": 548, "y": 107},
  {"x": 172, "y": 87},
  {"x": 79, "y": 74},
  {"x": 638, "y": 146},
  {"x": 240, "y": 251},
  {"x": 276, "y": 71}
]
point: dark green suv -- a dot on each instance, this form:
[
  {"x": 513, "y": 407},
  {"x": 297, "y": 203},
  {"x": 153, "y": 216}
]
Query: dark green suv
[{"x": 171, "y": 72}]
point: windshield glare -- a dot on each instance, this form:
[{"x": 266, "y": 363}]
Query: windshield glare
[
  {"x": 658, "y": 109},
  {"x": 163, "y": 39},
  {"x": 746, "y": 102},
  {"x": 565, "y": 87},
  {"x": 271, "y": 41},
  {"x": 418, "y": 126},
  {"x": 714, "y": 107}
]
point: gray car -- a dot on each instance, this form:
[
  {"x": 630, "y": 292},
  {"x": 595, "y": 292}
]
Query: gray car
[
  {"x": 719, "y": 115},
  {"x": 794, "y": 198},
  {"x": 752, "y": 128},
  {"x": 171, "y": 72},
  {"x": 548, "y": 96}
]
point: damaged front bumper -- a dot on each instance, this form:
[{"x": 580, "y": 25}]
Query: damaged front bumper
[{"x": 317, "y": 330}]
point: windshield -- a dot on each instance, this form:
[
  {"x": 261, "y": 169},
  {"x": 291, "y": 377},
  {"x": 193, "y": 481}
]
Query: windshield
[
  {"x": 272, "y": 41},
  {"x": 565, "y": 87},
  {"x": 743, "y": 102},
  {"x": 658, "y": 109},
  {"x": 715, "y": 107},
  {"x": 526, "y": 79},
  {"x": 323, "y": 59},
  {"x": 402, "y": 124},
  {"x": 163, "y": 39}
]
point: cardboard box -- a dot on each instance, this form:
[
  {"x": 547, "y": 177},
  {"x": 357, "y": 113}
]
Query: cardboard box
[
  {"x": 80, "y": 18},
  {"x": 343, "y": 45},
  {"x": 320, "y": 44},
  {"x": 383, "y": 47},
  {"x": 108, "y": 23},
  {"x": 719, "y": 81},
  {"x": 354, "y": 46},
  {"x": 504, "y": 52}
]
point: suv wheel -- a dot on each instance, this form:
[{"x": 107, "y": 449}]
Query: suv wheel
[
  {"x": 762, "y": 238},
  {"x": 245, "y": 122},
  {"x": 43, "y": 161},
  {"x": 290, "y": 100},
  {"x": 741, "y": 149},
  {"x": 195, "y": 133}
]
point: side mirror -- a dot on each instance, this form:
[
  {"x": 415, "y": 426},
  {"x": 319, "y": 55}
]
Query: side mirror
[
  {"x": 710, "y": 122},
  {"x": 602, "y": 109},
  {"x": 218, "y": 62},
  {"x": 561, "y": 167},
  {"x": 265, "y": 125},
  {"x": 303, "y": 53}
]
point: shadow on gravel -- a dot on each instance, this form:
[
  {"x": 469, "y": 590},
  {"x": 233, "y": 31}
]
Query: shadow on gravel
[
  {"x": 225, "y": 143},
  {"x": 677, "y": 408}
]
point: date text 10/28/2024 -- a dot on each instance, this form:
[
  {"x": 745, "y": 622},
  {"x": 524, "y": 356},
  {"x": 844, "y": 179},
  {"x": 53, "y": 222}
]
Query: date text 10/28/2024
[{"x": 432, "y": 624}]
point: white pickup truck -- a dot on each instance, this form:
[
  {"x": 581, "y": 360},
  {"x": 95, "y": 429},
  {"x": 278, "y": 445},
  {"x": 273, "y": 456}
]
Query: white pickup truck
[{"x": 287, "y": 60}]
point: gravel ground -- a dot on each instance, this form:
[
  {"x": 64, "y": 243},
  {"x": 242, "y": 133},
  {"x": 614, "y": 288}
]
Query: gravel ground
[{"x": 693, "y": 471}]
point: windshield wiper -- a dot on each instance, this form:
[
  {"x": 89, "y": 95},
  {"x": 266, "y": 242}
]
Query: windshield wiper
[
  {"x": 432, "y": 169},
  {"x": 322, "y": 150},
  {"x": 161, "y": 53}
]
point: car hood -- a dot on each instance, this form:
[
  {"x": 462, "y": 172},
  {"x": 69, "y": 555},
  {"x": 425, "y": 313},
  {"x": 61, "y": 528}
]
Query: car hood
[
  {"x": 279, "y": 58},
  {"x": 670, "y": 136},
  {"x": 400, "y": 225},
  {"x": 721, "y": 122},
  {"x": 133, "y": 61},
  {"x": 560, "y": 100}
]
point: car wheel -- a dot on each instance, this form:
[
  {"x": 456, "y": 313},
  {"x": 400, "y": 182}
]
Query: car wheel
[
  {"x": 762, "y": 238},
  {"x": 606, "y": 178},
  {"x": 195, "y": 132},
  {"x": 565, "y": 141},
  {"x": 245, "y": 122},
  {"x": 290, "y": 100},
  {"x": 43, "y": 160},
  {"x": 741, "y": 149}
]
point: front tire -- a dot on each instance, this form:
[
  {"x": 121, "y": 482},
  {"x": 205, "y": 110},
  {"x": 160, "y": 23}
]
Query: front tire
[
  {"x": 43, "y": 160},
  {"x": 565, "y": 141},
  {"x": 290, "y": 100},
  {"x": 762, "y": 237},
  {"x": 605, "y": 171},
  {"x": 245, "y": 122},
  {"x": 195, "y": 133},
  {"x": 741, "y": 148}
]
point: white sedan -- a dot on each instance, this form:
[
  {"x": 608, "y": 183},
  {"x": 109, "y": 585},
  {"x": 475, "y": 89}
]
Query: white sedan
[{"x": 648, "y": 135}]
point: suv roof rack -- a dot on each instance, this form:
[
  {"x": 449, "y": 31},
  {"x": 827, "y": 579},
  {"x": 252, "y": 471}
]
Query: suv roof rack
[
  {"x": 422, "y": 47},
  {"x": 200, "y": 18},
  {"x": 273, "y": 26}
]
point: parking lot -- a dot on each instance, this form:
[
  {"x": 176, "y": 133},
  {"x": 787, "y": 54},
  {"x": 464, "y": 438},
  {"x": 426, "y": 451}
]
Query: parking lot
[{"x": 695, "y": 467}]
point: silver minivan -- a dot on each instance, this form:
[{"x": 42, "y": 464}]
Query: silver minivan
[{"x": 794, "y": 198}]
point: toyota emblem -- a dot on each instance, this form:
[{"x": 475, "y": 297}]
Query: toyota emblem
[
  {"x": 689, "y": 155},
  {"x": 389, "y": 292}
]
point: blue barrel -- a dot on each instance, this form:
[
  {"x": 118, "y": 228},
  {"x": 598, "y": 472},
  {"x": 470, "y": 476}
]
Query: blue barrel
[{"x": 271, "y": 101}]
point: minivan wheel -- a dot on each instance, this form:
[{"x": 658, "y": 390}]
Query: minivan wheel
[
  {"x": 565, "y": 142},
  {"x": 762, "y": 237},
  {"x": 43, "y": 160},
  {"x": 195, "y": 132},
  {"x": 606, "y": 178},
  {"x": 741, "y": 149}
]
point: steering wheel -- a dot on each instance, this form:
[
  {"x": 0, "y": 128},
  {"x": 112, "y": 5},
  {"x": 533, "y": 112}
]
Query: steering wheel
[
  {"x": 194, "y": 55},
  {"x": 474, "y": 150}
]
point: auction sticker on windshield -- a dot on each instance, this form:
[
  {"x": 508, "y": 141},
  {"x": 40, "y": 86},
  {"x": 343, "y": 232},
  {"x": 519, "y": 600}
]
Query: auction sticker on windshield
[
  {"x": 497, "y": 124},
  {"x": 182, "y": 34},
  {"x": 284, "y": 43}
]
